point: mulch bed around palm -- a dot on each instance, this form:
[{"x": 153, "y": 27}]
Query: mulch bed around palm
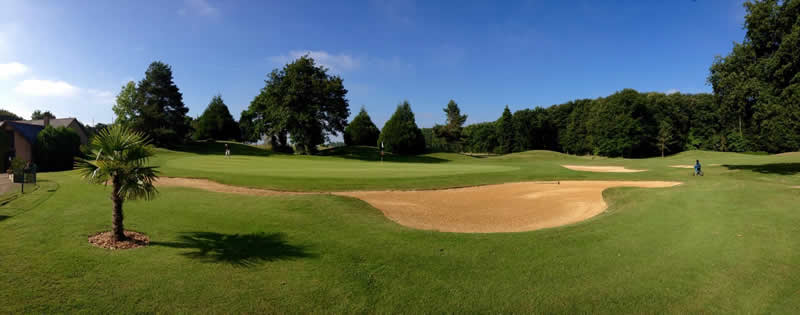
[{"x": 134, "y": 240}]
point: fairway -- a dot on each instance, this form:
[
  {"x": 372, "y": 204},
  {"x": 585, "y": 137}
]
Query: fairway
[
  {"x": 313, "y": 168},
  {"x": 722, "y": 243}
]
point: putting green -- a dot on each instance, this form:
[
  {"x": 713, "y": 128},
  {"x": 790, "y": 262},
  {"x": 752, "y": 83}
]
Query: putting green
[{"x": 319, "y": 168}]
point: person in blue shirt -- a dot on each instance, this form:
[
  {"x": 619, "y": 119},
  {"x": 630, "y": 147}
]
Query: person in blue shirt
[{"x": 697, "y": 168}]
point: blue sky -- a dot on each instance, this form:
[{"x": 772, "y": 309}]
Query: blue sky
[{"x": 72, "y": 57}]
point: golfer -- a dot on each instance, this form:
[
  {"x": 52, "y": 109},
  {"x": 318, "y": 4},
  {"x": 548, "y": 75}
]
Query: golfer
[
  {"x": 697, "y": 168},
  {"x": 227, "y": 151}
]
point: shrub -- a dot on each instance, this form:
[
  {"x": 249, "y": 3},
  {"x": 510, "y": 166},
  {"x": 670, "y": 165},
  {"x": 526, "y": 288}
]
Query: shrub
[
  {"x": 56, "y": 148},
  {"x": 400, "y": 134},
  {"x": 361, "y": 131}
]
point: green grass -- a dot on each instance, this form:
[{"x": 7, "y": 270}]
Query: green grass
[{"x": 723, "y": 243}]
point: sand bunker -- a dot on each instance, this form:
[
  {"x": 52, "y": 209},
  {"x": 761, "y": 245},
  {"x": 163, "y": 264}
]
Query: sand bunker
[
  {"x": 205, "y": 184},
  {"x": 682, "y": 166},
  {"x": 513, "y": 207},
  {"x": 602, "y": 169}
]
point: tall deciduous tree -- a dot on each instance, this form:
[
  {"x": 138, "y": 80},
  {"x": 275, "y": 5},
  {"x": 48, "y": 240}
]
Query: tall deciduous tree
[
  {"x": 126, "y": 104},
  {"x": 505, "y": 132},
  {"x": 400, "y": 134},
  {"x": 664, "y": 135},
  {"x": 216, "y": 122},
  {"x": 159, "y": 111},
  {"x": 756, "y": 86},
  {"x": 303, "y": 100},
  {"x": 361, "y": 131}
]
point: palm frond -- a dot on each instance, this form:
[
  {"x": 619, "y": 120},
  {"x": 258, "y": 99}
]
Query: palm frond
[{"x": 121, "y": 153}]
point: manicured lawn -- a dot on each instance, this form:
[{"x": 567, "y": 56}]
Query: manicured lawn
[{"x": 725, "y": 243}]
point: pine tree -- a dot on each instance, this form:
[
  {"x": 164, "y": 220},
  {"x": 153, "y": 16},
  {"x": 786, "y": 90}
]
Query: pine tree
[
  {"x": 361, "y": 131},
  {"x": 160, "y": 112},
  {"x": 400, "y": 134},
  {"x": 505, "y": 132}
]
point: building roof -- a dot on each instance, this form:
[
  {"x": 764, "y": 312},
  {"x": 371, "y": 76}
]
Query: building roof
[
  {"x": 28, "y": 131},
  {"x": 55, "y": 122},
  {"x": 30, "y": 128}
]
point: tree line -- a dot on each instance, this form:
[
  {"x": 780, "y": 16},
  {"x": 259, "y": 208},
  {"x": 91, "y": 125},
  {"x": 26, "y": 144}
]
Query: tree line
[{"x": 755, "y": 106}]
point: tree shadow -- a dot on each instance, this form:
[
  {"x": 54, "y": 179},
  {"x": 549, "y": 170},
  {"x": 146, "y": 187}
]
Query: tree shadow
[
  {"x": 364, "y": 153},
  {"x": 3, "y": 217},
  {"x": 242, "y": 250},
  {"x": 218, "y": 148},
  {"x": 774, "y": 168}
]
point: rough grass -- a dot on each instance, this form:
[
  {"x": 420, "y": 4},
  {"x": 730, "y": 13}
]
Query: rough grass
[{"x": 723, "y": 243}]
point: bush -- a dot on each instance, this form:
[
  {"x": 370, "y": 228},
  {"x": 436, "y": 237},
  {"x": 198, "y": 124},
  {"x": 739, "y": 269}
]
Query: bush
[
  {"x": 361, "y": 131},
  {"x": 216, "y": 123},
  {"x": 56, "y": 148},
  {"x": 400, "y": 134}
]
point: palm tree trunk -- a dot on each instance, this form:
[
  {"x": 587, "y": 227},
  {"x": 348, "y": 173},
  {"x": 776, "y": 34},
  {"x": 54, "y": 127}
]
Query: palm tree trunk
[{"x": 117, "y": 230}]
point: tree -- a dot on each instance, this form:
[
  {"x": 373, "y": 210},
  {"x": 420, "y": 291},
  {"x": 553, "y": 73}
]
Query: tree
[
  {"x": 452, "y": 129},
  {"x": 158, "y": 111},
  {"x": 756, "y": 85},
  {"x": 304, "y": 101},
  {"x": 56, "y": 148},
  {"x": 216, "y": 122},
  {"x": 481, "y": 137},
  {"x": 127, "y": 103},
  {"x": 505, "y": 132},
  {"x": 6, "y": 115},
  {"x": 361, "y": 131},
  {"x": 39, "y": 115},
  {"x": 120, "y": 156},
  {"x": 400, "y": 134},
  {"x": 248, "y": 127},
  {"x": 664, "y": 135}
]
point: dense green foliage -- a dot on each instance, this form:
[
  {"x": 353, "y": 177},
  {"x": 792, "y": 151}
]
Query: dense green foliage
[
  {"x": 303, "y": 101},
  {"x": 505, "y": 133},
  {"x": 248, "y": 126},
  {"x": 481, "y": 137},
  {"x": 155, "y": 107},
  {"x": 757, "y": 85},
  {"x": 6, "y": 115},
  {"x": 626, "y": 123},
  {"x": 126, "y": 104},
  {"x": 56, "y": 148},
  {"x": 361, "y": 131},
  {"x": 400, "y": 134},
  {"x": 216, "y": 123},
  {"x": 452, "y": 130},
  {"x": 37, "y": 115}
]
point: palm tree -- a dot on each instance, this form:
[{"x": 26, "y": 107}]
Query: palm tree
[{"x": 120, "y": 156}]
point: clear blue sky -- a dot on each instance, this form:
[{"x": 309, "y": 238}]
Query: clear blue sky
[{"x": 72, "y": 57}]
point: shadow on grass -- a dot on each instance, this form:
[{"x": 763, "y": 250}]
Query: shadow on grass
[
  {"x": 364, "y": 153},
  {"x": 775, "y": 168},
  {"x": 237, "y": 249},
  {"x": 3, "y": 217},
  {"x": 218, "y": 148}
]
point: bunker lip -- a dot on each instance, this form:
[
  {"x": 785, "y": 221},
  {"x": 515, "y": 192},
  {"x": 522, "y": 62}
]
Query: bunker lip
[
  {"x": 601, "y": 169},
  {"x": 511, "y": 207},
  {"x": 209, "y": 185}
]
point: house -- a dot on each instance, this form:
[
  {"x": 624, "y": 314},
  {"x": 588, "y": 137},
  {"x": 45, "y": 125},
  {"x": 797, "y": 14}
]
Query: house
[{"x": 22, "y": 134}]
